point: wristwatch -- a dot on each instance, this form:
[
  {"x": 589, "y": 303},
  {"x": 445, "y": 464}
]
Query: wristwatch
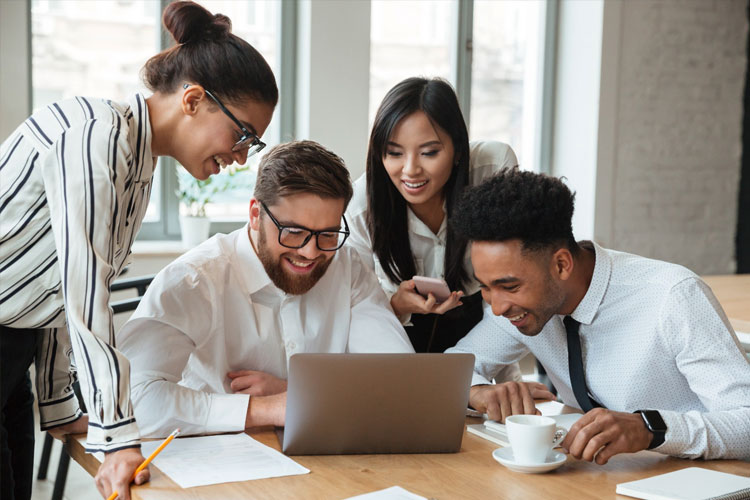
[{"x": 655, "y": 424}]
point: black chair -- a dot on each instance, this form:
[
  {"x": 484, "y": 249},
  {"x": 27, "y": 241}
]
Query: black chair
[{"x": 140, "y": 285}]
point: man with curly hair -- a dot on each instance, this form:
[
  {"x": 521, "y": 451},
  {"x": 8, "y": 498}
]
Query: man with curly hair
[{"x": 641, "y": 346}]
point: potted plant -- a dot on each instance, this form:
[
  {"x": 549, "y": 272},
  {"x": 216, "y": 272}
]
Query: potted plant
[{"x": 195, "y": 194}]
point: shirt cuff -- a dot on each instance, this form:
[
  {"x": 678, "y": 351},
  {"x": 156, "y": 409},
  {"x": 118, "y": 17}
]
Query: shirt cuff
[
  {"x": 57, "y": 412},
  {"x": 677, "y": 435},
  {"x": 477, "y": 379},
  {"x": 228, "y": 412},
  {"x": 114, "y": 437},
  {"x": 406, "y": 320}
]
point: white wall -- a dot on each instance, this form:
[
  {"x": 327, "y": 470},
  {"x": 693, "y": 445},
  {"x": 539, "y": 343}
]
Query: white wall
[
  {"x": 576, "y": 111},
  {"x": 647, "y": 127},
  {"x": 333, "y": 77},
  {"x": 677, "y": 144}
]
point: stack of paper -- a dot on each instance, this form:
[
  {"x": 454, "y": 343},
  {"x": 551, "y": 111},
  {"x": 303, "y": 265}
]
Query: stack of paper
[
  {"x": 225, "y": 458},
  {"x": 494, "y": 431}
]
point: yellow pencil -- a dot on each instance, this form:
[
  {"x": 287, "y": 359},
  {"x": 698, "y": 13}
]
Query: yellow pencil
[{"x": 148, "y": 460}]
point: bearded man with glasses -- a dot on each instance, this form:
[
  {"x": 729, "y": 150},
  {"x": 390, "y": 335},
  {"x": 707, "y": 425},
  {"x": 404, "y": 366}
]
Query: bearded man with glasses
[{"x": 221, "y": 322}]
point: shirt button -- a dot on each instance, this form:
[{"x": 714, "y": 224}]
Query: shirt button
[
  {"x": 291, "y": 345},
  {"x": 108, "y": 439}
]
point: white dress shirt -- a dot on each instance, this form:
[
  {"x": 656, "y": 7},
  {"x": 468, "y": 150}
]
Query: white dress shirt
[
  {"x": 215, "y": 310},
  {"x": 653, "y": 336},
  {"x": 75, "y": 179}
]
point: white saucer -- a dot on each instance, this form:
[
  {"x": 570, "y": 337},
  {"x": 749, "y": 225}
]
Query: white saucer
[{"x": 505, "y": 456}]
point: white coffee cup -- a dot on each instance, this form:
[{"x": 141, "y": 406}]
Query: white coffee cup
[{"x": 532, "y": 437}]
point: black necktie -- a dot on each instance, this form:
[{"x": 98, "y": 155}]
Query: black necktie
[{"x": 575, "y": 365}]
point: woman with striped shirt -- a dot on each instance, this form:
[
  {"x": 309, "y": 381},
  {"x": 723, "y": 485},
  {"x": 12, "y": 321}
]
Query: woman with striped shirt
[{"x": 75, "y": 179}]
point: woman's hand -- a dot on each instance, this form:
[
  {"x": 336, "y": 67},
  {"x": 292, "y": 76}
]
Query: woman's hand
[
  {"x": 406, "y": 300},
  {"x": 78, "y": 426}
]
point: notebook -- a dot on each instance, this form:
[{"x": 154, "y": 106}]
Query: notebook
[
  {"x": 693, "y": 483},
  {"x": 376, "y": 403},
  {"x": 483, "y": 432}
]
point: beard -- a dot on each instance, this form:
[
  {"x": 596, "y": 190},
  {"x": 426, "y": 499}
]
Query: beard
[
  {"x": 285, "y": 281},
  {"x": 553, "y": 299}
]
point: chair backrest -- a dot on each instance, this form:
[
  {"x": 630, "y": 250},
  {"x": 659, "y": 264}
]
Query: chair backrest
[{"x": 139, "y": 284}]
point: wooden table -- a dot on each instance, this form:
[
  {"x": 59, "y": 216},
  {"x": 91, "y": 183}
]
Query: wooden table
[
  {"x": 733, "y": 293},
  {"x": 471, "y": 473}
]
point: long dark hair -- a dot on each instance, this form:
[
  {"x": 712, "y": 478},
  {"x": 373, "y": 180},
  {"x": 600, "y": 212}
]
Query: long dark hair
[
  {"x": 207, "y": 53},
  {"x": 386, "y": 208}
]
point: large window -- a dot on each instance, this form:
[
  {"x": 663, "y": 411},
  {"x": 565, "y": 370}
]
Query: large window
[
  {"x": 506, "y": 75},
  {"x": 503, "y": 52},
  {"x": 408, "y": 38},
  {"x": 94, "y": 49},
  {"x": 97, "y": 48},
  {"x": 492, "y": 51},
  {"x": 258, "y": 23}
]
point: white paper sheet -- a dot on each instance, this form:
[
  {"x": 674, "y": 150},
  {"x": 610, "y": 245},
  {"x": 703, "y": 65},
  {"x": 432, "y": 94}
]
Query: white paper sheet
[
  {"x": 744, "y": 339},
  {"x": 549, "y": 408},
  {"x": 392, "y": 493},
  {"x": 225, "y": 458}
]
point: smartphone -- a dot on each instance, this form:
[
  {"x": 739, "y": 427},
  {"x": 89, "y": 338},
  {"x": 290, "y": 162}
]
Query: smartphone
[{"x": 438, "y": 288}]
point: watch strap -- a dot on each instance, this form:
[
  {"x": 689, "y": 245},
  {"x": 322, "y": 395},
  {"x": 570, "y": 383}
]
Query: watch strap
[{"x": 659, "y": 434}]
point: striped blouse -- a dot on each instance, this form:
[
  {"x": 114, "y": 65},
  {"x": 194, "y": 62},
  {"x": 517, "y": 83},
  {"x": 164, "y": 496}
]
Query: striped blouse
[{"x": 75, "y": 179}]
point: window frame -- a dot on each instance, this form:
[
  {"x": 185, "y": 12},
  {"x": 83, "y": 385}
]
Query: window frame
[
  {"x": 168, "y": 225},
  {"x": 462, "y": 73}
]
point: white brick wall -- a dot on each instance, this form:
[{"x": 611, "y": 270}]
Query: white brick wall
[{"x": 678, "y": 139}]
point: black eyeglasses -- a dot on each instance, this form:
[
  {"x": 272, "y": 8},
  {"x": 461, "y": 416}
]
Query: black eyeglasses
[
  {"x": 248, "y": 140},
  {"x": 298, "y": 237}
]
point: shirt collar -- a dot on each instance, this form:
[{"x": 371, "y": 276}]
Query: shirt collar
[
  {"x": 418, "y": 227},
  {"x": 142, "y": 122},
  {"x": 589, "y": 305},
  {"x": 249, "y": 266}
]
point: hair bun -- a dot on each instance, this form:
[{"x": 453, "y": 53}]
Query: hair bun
[
  {"x": 223, "y": 22},
  {"x": 187, "y": 20}
]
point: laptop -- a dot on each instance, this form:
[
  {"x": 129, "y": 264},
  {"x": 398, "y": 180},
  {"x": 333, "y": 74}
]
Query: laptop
[{"x": 376, "y": 403}]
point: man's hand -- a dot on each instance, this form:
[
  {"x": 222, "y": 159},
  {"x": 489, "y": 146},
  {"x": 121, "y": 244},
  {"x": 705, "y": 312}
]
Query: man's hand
[
  {"x": 256, "y": 383},
  {"x": 608, "y": 433},
  {"x": 407, "y": 301},
  {"x": 78, "y": 426},
  {"x": 266, "y": 410},
  {"x": 115, "y": 472},
  {"x": 500, "y": 401}
]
